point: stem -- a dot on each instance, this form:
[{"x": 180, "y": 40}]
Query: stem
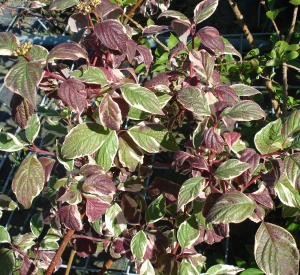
[
  {"x": 132, "y": 10},
  {"x": 284, "y": 89},
  {"x": 38, "y": 150},
  {"x": 152, "y": 36},
  {"x": 241, "y": 21},
  {"x": 293, "y": 24},
  {"x": 75, "y": 236},
  {"x": 90, "y": 21},
  {"x": 106, "y": 266},
  {"x": 174, "y": 251},
  {"x": 273, "y": 22},
  {"x": 71, "y": 257},
  {"x": 55, "y": 76},
  {"x": 60, "y": 251},
  {"x": 291, "y": 66},
  {"x": 251, "y": 181}
]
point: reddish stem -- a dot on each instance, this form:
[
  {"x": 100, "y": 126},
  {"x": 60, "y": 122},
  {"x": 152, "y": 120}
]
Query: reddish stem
[
  {"x": 106, "y": 266},
  {"x": 174, "y": 251},
  {"x": 137, "y": 4},
  {"x": 251, "y": 181},
  {"x": 89, "y": 238},
  {"x": 60, "y": 251},
  {"x": 38, "y": 150},
  {"x": 55, "y": 76}
]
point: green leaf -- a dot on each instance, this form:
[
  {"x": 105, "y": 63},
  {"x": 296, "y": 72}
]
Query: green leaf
[
  {"x": 188, "y": 232},
  {"x": 8, "y": 43},
  {"x": 136, "y": 114},
  {"x": 295, "y": 2},
  {"x": 194, "y": 100},
  {"x": 187, "y": 268},
  {"x": 292, "y": 169},
  {"x": 36, "y": 224},
  {"x": 269, "y": 138},
  {"x": 7, "y": 261},
  {"x": 84, "y": 139},
  {"x": 153, "y": 137},
  {"x": 89, "y": 74},
  {"x": 108, "y": 151},
  {"x": 222, "y": 269},
  {"x": 141, "y": 98},
  {"x": 156, "y": 210},
  {"x": 287, "y": 194},
  {"x": 33, "y": 128},
  {"x": 4, "y": 235},
  {"x": 9, "y": 143},
  {"x": 67, "y": 163},
  {"x": 296, "y": 142},
  {"x": 138, "y": 245},
  {"x": 275, "y": 250},
  {"x": 231, "y": 168},
  {"x": 252, "y": 271},
  {"x": 28, "y": 181},
  {"x": 38, "y": 53},
  {"x": 23, "y": 78},
  {"x": 291, "y": 125},
  {"x": 62, "y": 4},
  {"x": 147, "y": 268},
  {"x": 246, "y": 110},
  {"x": 129, "y": 154},
  {"x": 189, "y": 190},
  {"x": 6, "y": 203},
  {"x": 115, "y": 220},
  {"x": 244, "y": 90},
  {"x": 233, "y": 206},
  {"x": 204, "y": 10},
  {"x": 172, "y": 41},
  {"x": 291, "y": 55},
  {"x": 272, "y": 14}
]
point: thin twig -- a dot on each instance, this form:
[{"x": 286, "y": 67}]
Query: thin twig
[
  {"x": 273, "y": 22},
  {"x": 106, "y": 266},
  {"x": 284, "y": 89},
  {"x": 71, "y": 257},
  {"x": 152, "y": 36},
  {"x": 291, "y": 66},
  {"x": 293, "y": 24}
]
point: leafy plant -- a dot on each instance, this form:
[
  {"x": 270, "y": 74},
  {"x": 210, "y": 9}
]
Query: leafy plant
[{"x": 101, "y": 128}]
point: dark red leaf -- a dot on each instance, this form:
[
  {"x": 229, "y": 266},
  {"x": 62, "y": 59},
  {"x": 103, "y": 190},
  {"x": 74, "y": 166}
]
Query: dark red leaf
[
  {"x": 121, "y": 245},
  {"x": 84, "y": 247},
  {"x": 178, "y": 48},
  {"x": 213, "y": 140},
  {"x": 159, "y": 186},
  {"x": 100, "y": 185},
  {"x": 250, "y": 156},
  {"x": 198, "y": 163},
  {"x": 78, "y": 21},
  {"x": 111, "y": 33},
  {"x": 210, "y": 38},
  {"x": 131, "y": 50},
  {"x": 210, "y": 202},
  {"x": 226, "y": 94},
  {"x": 47, "y": 256},
  {"x": 47, "y": 165},
  {"x": 145, "y": 56},
  {"x": 22, "y": 110},
  {"x": 263, "y": 197},
  {"x": 160, "y": 79},
  {"x": 70, "y": 216},
  {"x": 90, "y": 169},
  {"x": 27, "y": 267},
  {"x": 73, "y": 93},
  {"x": 95, "y": 207},
  {"x": 130, "y": 209},
  {"x": 179, "y": 158},
  {"x": 231, "y": 138}
]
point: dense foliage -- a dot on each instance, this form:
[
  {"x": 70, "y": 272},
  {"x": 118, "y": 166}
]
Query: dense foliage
[{"x": 121, "y": 104}]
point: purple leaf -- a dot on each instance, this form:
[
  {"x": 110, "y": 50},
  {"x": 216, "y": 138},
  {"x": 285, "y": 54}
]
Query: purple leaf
[
  {"x": 178, "y": 48},
  {"x": 108, "y": 10},
  {"x": 130, "y": 209},
  {"x": 47, "y": 164},
  {"x": 155, "y": 29},
  {"x": 47, "y": 256},
  {"x": 100, "y": 185},
  {"x": 22, "y": 110},
  {"x": 213, "y": 140},
  {"x": 159, "y": 186},
  {"x": 27, "y": 267},
  {"x": 250, "y": 156},
  {"x": 70, "y": 216},
  {"x": 110, "y": 113},
  {"x": 146, "y": 55},
  {"x": 121, "y": 245},
  {"x": 225, "y": 94},
  {"x": 73, "y": 93},
  {"x": 182, "y": 29},
  {"x": 69, "y": 51},
  {"x": 231, "y": 138},
  {"x": 160, "y": 79},
  {"x": 89, "y": 169},
  {"x": 95, "y": 207},
  {"x": 78, "y": 21},
  {"x": 112, "y": 34},
  {"x": 210, "y": 38},
  {"x": 263, "y": 197},
  {"x": 179, "y": 158},
  {"x": 131, "y": 49}
]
